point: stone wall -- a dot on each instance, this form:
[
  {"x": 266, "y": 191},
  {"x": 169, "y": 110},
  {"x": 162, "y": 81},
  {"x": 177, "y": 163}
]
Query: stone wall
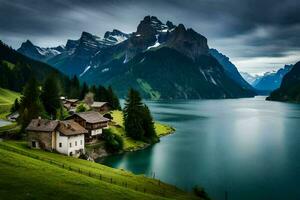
[{"x": 43, "y": 140}]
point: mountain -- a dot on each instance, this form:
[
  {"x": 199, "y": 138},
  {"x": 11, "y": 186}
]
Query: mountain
[
  {"x": 290, "y": 87},
  {"x": 271, "y": 80},
  {"x": 16, "y": 69},
  {"x": 230, "y": 69},
  {"x": 161, "y": 60},
  {"x": 75, "y": 56},
  {"x": 250, "y": 78},
  {"x": 39, "y": 53}
]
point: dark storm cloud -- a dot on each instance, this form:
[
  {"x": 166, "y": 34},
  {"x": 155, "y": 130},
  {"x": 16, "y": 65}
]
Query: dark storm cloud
[{"x": 244, "y": 29}]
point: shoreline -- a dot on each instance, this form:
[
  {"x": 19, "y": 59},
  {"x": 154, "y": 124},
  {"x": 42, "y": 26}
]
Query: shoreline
[{"x": 141, "y": 145}]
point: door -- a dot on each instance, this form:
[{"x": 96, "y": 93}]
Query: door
[{"x": 33, "y": 144}]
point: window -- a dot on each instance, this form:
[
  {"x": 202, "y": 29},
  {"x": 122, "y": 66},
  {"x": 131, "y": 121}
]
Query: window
[
  {"x": 33, "y": 144},
  {"x": 80, "y": 142},
  {"x": 70, "y": 144},
  {"x": 60, "y": 145},
  {"x": 75, "y": 143}
]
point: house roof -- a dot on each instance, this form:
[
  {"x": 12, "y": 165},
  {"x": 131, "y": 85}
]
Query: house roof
[
  {"x": 92, "y": 117},
  {"x": 98, "y": 104},
  {"x": 43, "y": 125},
  {"x": 67, "y": 105},
  {"x": 72, "y": 100},
  {"x": 70, "y": 127}
]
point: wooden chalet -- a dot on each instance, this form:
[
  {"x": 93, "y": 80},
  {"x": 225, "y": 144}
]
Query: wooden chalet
[
  {"x": 92, "y": 121},
  {"x": 101, "y": 107}
]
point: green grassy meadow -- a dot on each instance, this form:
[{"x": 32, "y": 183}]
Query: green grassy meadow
[
  {"x": 36, "y": 174},
  {"x": 7, "y": 98}
]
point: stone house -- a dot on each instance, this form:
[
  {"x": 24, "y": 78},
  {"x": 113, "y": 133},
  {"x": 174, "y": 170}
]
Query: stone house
[{"x": 66, "y": 137}]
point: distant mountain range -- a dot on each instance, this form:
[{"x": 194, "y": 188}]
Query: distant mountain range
[
  {"x": 290, "y": 87},
  {"x": 16, "y": 69},
  {"x": 269, "y": 81},
  {"x": 162, "y": 61}
]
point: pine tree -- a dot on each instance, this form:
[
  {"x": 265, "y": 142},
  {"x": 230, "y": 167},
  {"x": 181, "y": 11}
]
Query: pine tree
[
  {"x": 148, "y": 125},
  {"x": 113, "y": 100},
  {"x": 16, "y": 106},
  {"x": 74, "y": 88},
  {"x": 51, "y": 96},
  {"x": 138, "y": 121},
  {"x": 84, "y": 90},
  {"x": 132, "y": 115},
  {"x": 102, "y": 94},
  {"x": 31, "y": 106},
  {"x": 93, "y": 90}
]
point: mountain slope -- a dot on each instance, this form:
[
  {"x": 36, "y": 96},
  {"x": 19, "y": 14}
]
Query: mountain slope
[
  {"x": 39, "y": 53},
  {"x": 167, "y": 74},
  {"x": 290, "y": 87},
  {"x": 230, "y": 69},
  {"x": 16, "y": 69},
  {"x": 250, "y": 78},
  {"x": 271, "y": 81}
]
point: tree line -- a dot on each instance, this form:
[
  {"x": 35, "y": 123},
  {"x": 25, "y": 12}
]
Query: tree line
[{"x": 43, "y": 99}]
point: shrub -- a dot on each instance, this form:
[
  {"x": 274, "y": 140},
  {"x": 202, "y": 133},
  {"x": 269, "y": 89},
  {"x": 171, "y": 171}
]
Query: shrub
[
  {"x": 200, "y": 192},
  {"x": 113, "y": 143},
  {"x": 81, "y": 108}
]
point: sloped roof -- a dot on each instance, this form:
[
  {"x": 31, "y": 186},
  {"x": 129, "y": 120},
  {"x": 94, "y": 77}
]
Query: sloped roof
[
  {"x": 92, "y": 117},
  {"x": 72, "y": 100},
  {"x": 98, "y": 104},
  {"x": 43, "y": 125},
  {"x": 70, "y": 127}
]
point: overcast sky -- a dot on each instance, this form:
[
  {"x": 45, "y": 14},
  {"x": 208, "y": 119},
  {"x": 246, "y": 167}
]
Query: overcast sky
[{"x": 257, "y": 35}]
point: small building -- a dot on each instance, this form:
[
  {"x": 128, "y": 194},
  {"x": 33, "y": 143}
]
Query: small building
[
  {"x": 73, "y": 102},
  {"x": 101, "y": 107},
  {"x": 92, "y": 121},
  {"x": 13, "y": 116},
  {"x": 41, "y": 134},
  {"x": 66, "y": 137},
  {"x": 70, "y": 138}
]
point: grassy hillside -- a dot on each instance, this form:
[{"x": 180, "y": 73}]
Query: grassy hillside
[
  {"x": 7, "y": 98},
  {"x": 129, "y": 143},
  {"x": 36, "y": 174}
]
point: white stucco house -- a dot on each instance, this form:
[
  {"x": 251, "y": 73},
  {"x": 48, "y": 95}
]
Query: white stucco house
[
  {"x": 66, "y": 137},
  {"x": 70, "y": 138}
]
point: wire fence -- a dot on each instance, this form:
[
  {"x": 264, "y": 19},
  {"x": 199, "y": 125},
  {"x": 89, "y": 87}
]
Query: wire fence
[{"x": 164, "y": 189}]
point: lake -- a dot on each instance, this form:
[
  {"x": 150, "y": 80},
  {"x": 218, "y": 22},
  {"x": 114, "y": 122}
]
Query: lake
[
  {"x": 247, "y": 147},
  {"x": 4, "y": 123}
]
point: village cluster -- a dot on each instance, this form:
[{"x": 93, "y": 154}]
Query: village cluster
[{"x": 70, "y": 135}]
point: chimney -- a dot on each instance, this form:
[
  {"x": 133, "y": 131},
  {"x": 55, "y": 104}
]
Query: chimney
[{"x": 39, "y": 121}]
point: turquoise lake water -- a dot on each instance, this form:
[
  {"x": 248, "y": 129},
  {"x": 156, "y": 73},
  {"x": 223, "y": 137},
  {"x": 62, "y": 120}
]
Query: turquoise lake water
[{"x": 247, "y": 147}]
